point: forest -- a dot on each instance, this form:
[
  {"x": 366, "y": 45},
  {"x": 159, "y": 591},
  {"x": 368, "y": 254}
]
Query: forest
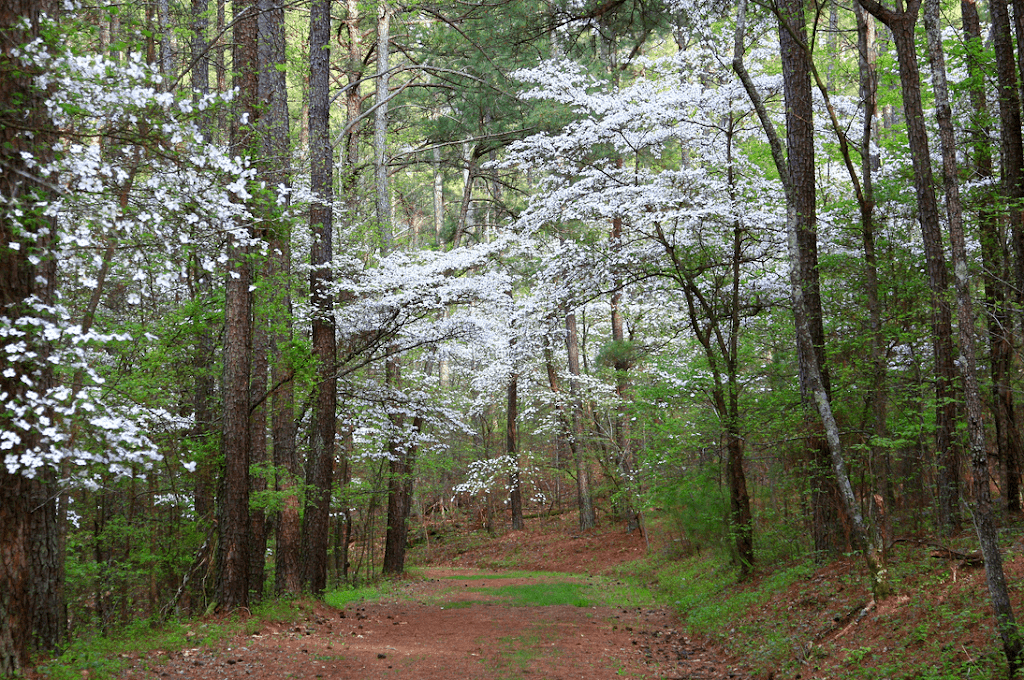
[{"x": 279, "y": 281}]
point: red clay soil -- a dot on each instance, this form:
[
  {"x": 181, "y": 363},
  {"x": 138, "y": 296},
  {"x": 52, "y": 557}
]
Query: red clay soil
[{"x": 435, "y": 632}]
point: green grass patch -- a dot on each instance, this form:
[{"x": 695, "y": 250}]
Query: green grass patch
[
  {"x": 543, "y": 594},
  {"x": 343, "y": 596}
]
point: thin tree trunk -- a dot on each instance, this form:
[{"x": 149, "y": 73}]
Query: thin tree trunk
[
  {"x": 380, "y": 126},
  {"x": 868, "y": 58},
  {"x": 584, "y": 498},
  {"x": 402, "y": 460},
  {"x": 901, "y": 24},
  {"x": 203, "y": 358},
  {"x": 512, "y": 451},
  {"x": 983, "y": 518},
  {"x": 1012, "y": 156}
]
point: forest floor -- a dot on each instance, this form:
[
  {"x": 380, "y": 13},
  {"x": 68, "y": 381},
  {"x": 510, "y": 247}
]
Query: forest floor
[
  {"x": 554, "y": 603},
  {"x": 454, "y": 619}
]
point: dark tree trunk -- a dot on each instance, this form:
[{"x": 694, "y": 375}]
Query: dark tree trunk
[
  {"x": 901, "y": 24},
  {"x": 233, "y": 548},
  {"x": 402, "y": 462},
  {"x": 30, "y": 565},
  {"x": 16, "y": 495},
  {"x": 993, "y": 243},
  {"x": 810, "y": 368},
  {"x": 320, "y": 466},
  {"x": 796, "y": 71},
  {"x": 274, "y": 168},
  {"x": 258, "y": 451},
  {"x": 512, "y": 451}
]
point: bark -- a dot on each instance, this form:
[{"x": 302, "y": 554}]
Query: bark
[
  {"x": 275, "y": 169},
  {"x": 402, "y": 459},
  {"x": 868, "y": 58},
  {"x": 233, "y": 548},
  {"x": 258, "y": 449},
  {"x": 584, "y": 498},
  {"x": 320, "y": 465},
  {"x": 512, "y": 451},
  {"x": 31, "y": 566},
  {"x": 380, "y": 126},
  {"x": 983, "y": 517},
  {"x": 810, "y": 365},
  {"x": 1012, "y": 155},
  {"x": 801, "y": 172},
  {"x": 901, "y": 24}
]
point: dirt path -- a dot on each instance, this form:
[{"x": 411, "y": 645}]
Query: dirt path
[{"x": 456, "y": 625}]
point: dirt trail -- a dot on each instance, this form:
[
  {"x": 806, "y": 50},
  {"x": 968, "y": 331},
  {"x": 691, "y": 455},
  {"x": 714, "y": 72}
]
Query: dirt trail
[{"x": 452, "y": 626}]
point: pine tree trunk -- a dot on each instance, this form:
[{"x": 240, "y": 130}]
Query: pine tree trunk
[
  {"x": 275, "y": 170},
  {"x": 233, "y": 576},
  {"x": 320, "y": 464}
]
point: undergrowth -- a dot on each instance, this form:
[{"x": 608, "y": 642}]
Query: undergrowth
[{"x": 803, "y": 619}]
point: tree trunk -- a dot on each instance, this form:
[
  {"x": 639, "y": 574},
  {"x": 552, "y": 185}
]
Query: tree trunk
[
  {"x": 512, "y": 451},
  {"x": 233, "y": 553},
  {"x": 402, "y": 459},
  {"x": 584, "y": 498},
  {"x": 380, "y": 126},
  {"x": 983, "y": 519},
  {"x": 801, "y": 172},
  {"x": 901, "y": 24},
  {"x": 275, "y": 170},
  {"x": 258, "y": 449},
  {"x": 30, "y": 566},
  {"x": 863, "y": 541},
  {"x": 1012, "y": 155},
  {"x": 868, "y": 58},
  {"x": 320, "y": 465}
]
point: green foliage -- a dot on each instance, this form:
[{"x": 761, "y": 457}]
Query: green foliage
[
  {"x": 341, "y": 597},
  {"x": 620, "y": 355},
  {"x": 694, "y": 507}
]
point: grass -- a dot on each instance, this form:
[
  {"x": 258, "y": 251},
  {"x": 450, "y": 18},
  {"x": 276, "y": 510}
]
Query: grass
[
  {"x": 516, "y": 653},
  {"x": 377, "y": 591}
]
